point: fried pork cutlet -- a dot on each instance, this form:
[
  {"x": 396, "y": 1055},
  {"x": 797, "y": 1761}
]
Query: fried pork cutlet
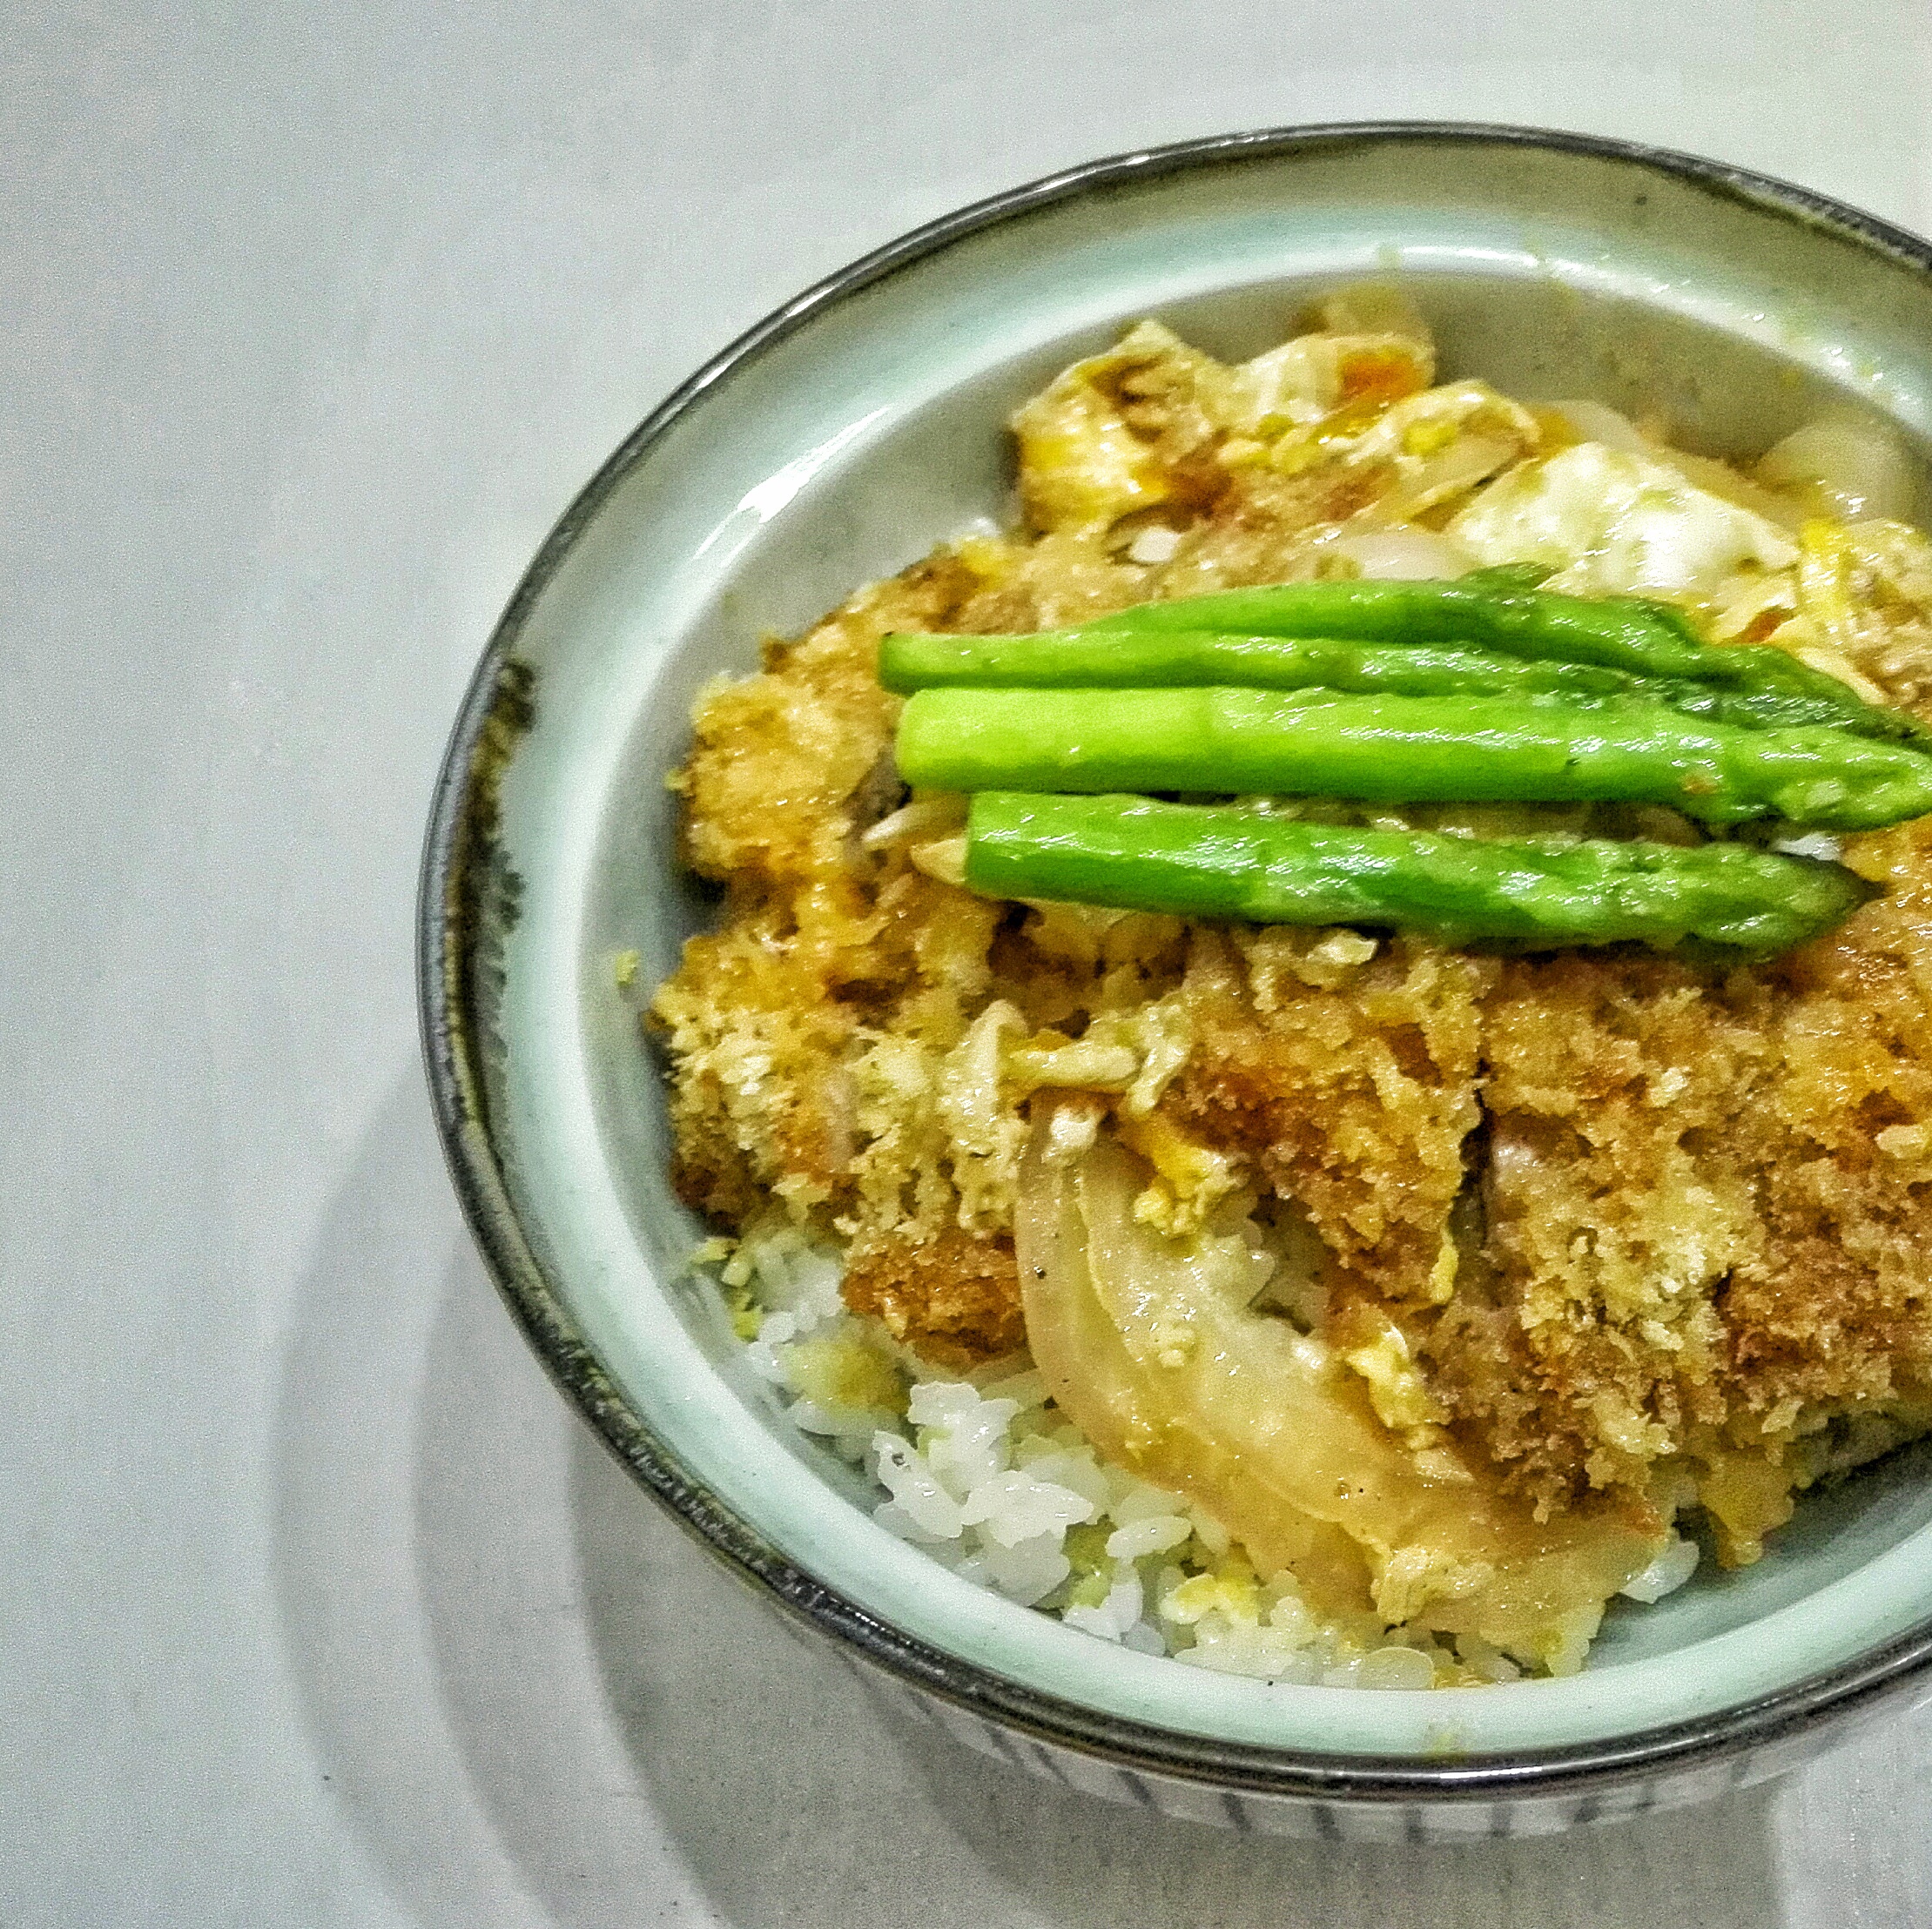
[{"x": 1643, "y": 1223}]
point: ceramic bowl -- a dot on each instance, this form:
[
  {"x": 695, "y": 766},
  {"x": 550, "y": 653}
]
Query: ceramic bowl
[{"x": 839, "y": 440}]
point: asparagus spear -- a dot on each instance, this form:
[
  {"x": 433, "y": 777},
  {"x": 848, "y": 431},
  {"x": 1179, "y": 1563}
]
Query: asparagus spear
[
  {"x": 1402, "y": 749},
  {"x": 1193, "y": 861},
  {"x": 1160, "y": 659},
  {"x": 1616, "y": 632}
]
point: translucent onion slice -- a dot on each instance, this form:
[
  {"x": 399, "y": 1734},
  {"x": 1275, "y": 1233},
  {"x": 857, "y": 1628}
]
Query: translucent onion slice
[
  {"x": 1403, "y": 555},
  {"x": 1598, "y": 422},
  {"x": 1846, "y": 462},
  {"x": 1151, "y": 1348}
]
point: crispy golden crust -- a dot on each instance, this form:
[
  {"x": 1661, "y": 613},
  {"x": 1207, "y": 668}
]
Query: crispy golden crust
[
  {"x": 783, "y": 762},
  {"x": 1705, "y": 1195},
  {"x": 1615, "y": 1203},
  {"x": 758, "y": 1034},
  {"x": 954, "y": 1298},
  {"x": 1350, "y": 1089},
  {"x": 1838, "y": 1302}
]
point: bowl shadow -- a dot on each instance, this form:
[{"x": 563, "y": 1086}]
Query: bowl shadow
[{"x": 425, "y": 1576}]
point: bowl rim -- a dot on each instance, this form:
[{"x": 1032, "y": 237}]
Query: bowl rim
[{"x": 462, "y": 835}]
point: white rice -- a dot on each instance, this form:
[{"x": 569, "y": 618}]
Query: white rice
[{"x": 1667, "y": 1573}]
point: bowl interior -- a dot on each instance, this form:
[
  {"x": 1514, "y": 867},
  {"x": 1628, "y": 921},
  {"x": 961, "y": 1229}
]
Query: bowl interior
[{"x": 845, "y": 450}]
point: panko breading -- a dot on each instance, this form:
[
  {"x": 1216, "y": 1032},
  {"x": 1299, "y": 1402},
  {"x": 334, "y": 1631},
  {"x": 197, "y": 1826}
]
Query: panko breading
[
  {"x": 1631, "y": 1223},
  {"x": 954, "y": 1299},
  {"x": 1332, "y": 1075}
]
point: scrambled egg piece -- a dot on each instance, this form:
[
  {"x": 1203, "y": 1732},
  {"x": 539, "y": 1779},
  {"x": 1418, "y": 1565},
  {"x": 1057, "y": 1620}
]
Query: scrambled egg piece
[
  {"x": 844, "y": 1373},
  {"x": 1610, "y": 522}
]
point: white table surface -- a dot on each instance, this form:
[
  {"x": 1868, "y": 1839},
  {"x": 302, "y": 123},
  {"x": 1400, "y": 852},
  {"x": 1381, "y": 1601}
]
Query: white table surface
[{"x": 317, "y": 1606}]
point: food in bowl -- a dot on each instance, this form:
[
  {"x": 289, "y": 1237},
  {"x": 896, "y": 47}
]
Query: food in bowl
[{"x": 1378, "y": 1071}]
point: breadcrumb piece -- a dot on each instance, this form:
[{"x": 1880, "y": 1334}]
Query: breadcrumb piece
[{"x": 954, "y": 1299}]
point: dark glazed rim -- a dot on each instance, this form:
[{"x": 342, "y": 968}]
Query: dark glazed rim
[{"x": 461, "y": 855}]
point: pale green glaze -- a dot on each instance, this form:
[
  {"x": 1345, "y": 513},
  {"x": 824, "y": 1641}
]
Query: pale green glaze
[{"x": 848, "y": 450}]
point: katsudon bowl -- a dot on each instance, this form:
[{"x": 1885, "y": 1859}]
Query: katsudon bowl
[{"x": 839, "y": 440}]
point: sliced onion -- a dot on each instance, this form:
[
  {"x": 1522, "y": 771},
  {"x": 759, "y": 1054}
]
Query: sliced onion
[
  {"x": 1598, "y": 422},
  {"x": 1376, "y": 308},
  {"x": 1403, "y": 555},
  {"x": 1849, "y": 461},
  {"x": 1470, "y": 458},
  {"x": 1152, "y": 1349}
]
